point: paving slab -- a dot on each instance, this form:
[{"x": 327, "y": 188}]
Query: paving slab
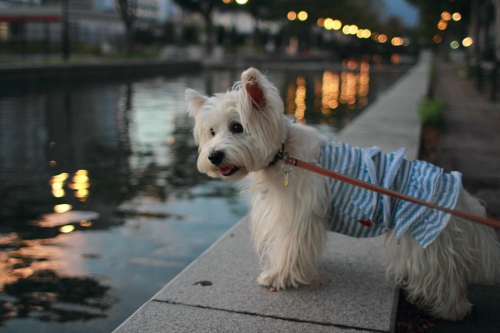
[
  {"x": 346, "y": 297},
  {"x": 160, "y": 317},
  {"x": 224, "y": 279}
]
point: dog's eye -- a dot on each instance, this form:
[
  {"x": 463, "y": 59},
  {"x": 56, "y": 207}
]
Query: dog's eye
[
  {"x": 237, "y": 128},
  {"x": 212, "y": 132}
]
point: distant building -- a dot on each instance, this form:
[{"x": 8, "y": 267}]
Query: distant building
[{"x": 91, "y": 22}]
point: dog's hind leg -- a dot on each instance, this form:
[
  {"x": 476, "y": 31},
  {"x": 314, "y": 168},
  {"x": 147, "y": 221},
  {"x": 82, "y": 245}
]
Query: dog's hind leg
[{"x": 435, "y": 278}]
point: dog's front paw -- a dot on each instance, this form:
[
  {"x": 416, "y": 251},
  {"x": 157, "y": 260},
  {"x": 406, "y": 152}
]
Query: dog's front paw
[
  {"x": 268, "y": 279},
  {"x": 279, "y": 280}
]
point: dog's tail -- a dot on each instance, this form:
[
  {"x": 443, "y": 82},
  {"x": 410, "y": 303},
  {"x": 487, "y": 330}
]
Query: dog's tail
[{"x": 483, "y": 240}]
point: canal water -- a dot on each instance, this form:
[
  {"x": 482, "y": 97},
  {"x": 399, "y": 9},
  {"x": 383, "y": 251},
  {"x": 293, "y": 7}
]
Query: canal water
[{"x": 101, "y": 203}]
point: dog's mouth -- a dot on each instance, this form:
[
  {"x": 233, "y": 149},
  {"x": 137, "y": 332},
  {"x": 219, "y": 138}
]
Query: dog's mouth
[{"x": 228, "y": 171}]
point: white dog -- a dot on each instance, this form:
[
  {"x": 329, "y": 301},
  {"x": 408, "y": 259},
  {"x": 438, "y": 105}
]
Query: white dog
[{"x": 244, "y": 132}]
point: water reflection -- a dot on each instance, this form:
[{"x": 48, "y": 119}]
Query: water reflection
[{"x": 101, "y": 203}]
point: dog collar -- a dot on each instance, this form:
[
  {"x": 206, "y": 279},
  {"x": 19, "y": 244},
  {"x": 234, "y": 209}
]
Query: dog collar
[{"x": 279, "y": 155}]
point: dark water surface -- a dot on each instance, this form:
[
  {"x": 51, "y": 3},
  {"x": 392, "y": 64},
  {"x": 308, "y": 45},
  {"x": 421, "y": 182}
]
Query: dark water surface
[{"x": 101, "y": 203}]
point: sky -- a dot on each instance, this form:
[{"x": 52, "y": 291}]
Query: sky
[{"x": 401, "y": 8}]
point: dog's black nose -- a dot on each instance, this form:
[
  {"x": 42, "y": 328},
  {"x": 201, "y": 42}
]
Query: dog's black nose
[{"x": 216, "y": 157}]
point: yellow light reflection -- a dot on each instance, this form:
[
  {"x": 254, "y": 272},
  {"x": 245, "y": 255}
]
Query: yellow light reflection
[
  {"x": 456, "y": 17},
  {"x": 300, "y": 99},
  {"x": 62, "y": 208},
  {"x": 58, "y": 193},
  {"x": 345, "y": 29},
  {"x": 330, "y": 93},
  {"x": 57, "y": 184},
  {"x": 352, "y": 64},
  {"x": 337, "y": 24},
  {"x": 81, "y": 185},
  {"x": 364, "y": 80},
  {"x": 395, "y": 58},
  {"x": 66, "y": 229},
  {"x": 290, "y": 99},
  {"x": 84, "y": 223}
]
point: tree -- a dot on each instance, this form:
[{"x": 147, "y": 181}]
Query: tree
[
  {"x": 430, "y": 14},
  {"x": 127, "y": 14},
  {"x": 205, "y": 8}
]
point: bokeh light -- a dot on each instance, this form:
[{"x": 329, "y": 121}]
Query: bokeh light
[
  {"x": 467, "y": 41},
  {"x": 302, "y": 15},
  {"x": 454, "y": 45},
  {"x": 353, "y": 29},
  {"x": 456, "y": 17},
  {"x": 442, "y": 25},
  {"x": 446, "y": 16},
  {"x": 291, "y": 15},
  {"x": 66, "y": 229},
  {"x": 62, "y": 208},
  {"x": 397, "y": 41}
]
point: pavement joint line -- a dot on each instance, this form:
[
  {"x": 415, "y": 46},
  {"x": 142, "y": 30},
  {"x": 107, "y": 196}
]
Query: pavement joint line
[{"x": 361, "y": 329}]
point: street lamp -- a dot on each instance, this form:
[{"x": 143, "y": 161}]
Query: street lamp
[{"x": 302, "y": 15}]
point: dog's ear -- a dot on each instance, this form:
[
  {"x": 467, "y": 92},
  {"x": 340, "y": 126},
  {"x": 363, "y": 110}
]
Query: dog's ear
[
  {"x": 250, "y": 79},
  {"x": 195, "y": 101}
]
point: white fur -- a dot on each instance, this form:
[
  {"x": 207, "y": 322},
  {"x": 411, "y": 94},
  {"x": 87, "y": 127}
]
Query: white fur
[{"x": 288, "y": 226}]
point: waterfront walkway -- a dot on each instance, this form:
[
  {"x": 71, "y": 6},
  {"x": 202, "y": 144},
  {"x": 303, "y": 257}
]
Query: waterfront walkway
[{"x": 218, "y": 292}]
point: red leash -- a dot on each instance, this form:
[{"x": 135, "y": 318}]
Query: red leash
[{"x": 356, "y": 182}]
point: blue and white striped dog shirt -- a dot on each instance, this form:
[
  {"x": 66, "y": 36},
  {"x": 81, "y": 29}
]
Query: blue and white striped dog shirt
[{"x": 357, "y": 212}]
